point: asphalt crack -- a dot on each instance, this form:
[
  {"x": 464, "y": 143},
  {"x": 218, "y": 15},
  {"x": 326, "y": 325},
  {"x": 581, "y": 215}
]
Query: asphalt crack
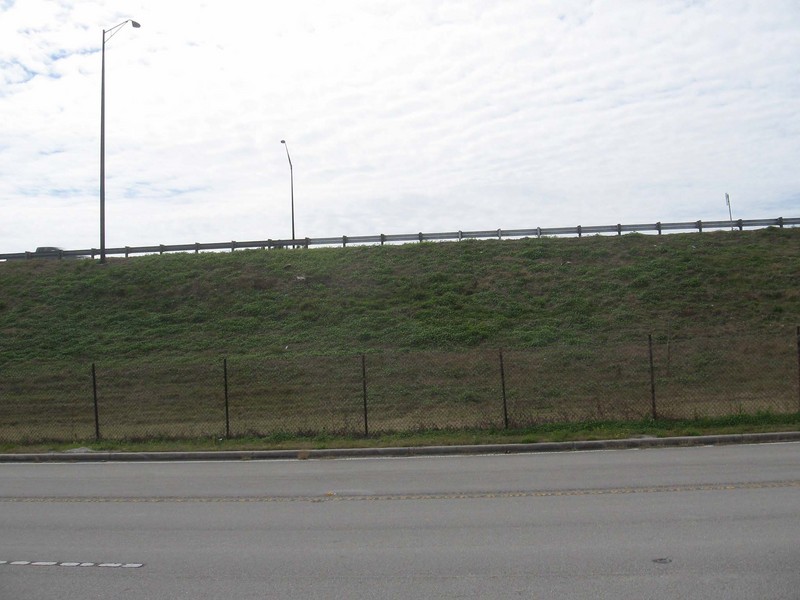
[{"x": 342, "y": 497}]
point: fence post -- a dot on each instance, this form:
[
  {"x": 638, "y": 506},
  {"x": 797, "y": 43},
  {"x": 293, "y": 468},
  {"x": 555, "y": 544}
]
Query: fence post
[
  {"x": 96, "y": 411},
  {"x": 798, "y": 367},
  {"x": 503, "y": 387},
  {"x": 227, "y": 414},
  {"x": 654, "y": 414},
  {"x": 364, "y": 387}
]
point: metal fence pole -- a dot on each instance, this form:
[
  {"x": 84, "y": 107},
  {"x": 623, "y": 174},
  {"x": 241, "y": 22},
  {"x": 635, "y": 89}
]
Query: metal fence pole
[
  {"x": 654, "y": 414},
  {"x": 96, "y": 410},
  {"x": 798, "y": 367},
  {"x": 364, "y": 387},
  {"x": 669, "y": 346},
  {"x": 503, "y": 386},
  {"x": 227, "y": 414}
]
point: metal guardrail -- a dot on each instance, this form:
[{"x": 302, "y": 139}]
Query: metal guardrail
[{"x": 344, "y": 240}]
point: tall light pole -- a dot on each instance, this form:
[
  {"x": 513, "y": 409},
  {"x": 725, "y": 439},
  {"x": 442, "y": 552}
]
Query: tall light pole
[
  {"x": 107, "y": 35},
  {"x": 291, "y": 179}
]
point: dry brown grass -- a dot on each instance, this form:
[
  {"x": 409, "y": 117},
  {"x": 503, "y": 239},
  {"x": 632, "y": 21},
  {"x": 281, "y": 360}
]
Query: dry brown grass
[{"x": 405, "y": 391}]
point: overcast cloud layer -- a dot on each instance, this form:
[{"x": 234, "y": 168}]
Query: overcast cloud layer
[{"x": 400, "y": 116}]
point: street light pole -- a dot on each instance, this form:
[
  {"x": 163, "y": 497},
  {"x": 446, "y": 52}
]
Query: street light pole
[
  {"x": 291, "y": 179},
  {"x": 107, "y": 35},
  {"x": 730, "y": 215}
]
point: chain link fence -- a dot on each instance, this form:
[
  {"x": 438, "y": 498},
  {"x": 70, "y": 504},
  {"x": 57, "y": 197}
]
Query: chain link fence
[
  {"x": 399, "y": 391},
  {"x": 722, "y": 376}
]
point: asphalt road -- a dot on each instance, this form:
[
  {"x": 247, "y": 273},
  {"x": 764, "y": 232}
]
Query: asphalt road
[{"x": 707, "y": 523}]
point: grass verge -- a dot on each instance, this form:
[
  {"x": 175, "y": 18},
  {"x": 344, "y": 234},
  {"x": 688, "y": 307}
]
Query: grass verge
[{"x": 564, "y": 432}]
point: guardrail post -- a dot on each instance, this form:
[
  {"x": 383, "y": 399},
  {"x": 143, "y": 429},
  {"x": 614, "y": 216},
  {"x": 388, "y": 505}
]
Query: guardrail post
[
  {"x": 699, "y": 226},
  {"x": 780, "y": 222},
  {"x": 96, "y": 410},
  {"x": 579, "y": 231}
]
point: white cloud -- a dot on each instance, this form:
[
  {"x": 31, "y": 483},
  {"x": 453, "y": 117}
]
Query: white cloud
[{"x": 400, "y": 116}]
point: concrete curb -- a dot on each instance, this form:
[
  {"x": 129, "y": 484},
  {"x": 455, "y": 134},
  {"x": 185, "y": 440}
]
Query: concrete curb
[{"x": 644, "y": 442}]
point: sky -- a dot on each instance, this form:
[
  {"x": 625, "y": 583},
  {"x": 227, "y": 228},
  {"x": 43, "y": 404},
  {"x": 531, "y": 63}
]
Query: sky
[{"x": 400, "y": 116}]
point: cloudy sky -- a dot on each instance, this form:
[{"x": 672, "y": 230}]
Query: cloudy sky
[{"x": 400, "y": 116}]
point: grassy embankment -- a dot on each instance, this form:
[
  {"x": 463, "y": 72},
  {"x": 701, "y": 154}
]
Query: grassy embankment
[{"x": 574, "y": 294}]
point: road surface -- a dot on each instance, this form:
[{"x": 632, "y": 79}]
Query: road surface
[{"x": 703, "y": 523}]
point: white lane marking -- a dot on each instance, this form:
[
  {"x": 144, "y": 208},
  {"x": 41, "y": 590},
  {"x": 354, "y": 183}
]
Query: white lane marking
[{"x": 53, "y": 563}]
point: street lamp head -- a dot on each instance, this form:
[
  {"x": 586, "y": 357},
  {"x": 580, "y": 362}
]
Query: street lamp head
[
  {"x": 109, "y": 33},
  {"x": 283, "y": 141}
]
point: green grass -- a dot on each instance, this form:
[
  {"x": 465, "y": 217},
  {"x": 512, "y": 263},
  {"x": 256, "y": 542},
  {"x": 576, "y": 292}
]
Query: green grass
[
  {"x": 555, "y": 432},
  {"x": 517, "y": 294},
  {"x": 572, "y": 316}
]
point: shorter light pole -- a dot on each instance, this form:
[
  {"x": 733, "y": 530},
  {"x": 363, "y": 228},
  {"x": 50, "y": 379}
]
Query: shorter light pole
[
  {"x": 728, "y": 202},
  {"x": 291, "y": 180}
]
